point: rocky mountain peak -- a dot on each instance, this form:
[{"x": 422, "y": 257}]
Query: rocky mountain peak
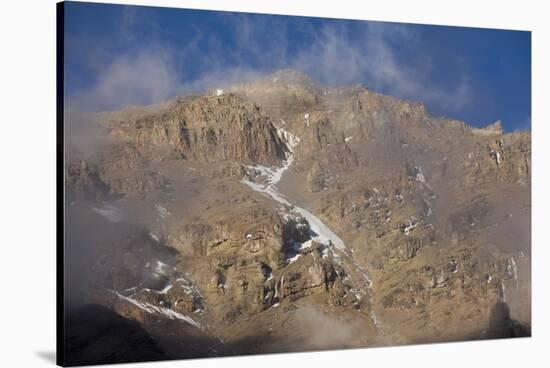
[
  {"x": 492, "y": 129},
  {"x": 266, "y": 203}
]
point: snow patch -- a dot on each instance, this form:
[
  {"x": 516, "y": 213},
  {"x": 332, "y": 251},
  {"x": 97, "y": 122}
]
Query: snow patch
[
  {"x": 497, "y": 156},
  {"x": 110, "y": 212},
  {"x": 166, "y": 289},
  {"x": 513, "y": 269},
  {"x": 419, "y": 175},
  {"x": 162, "y": 211},
  {"x": 154, "y": 237},
  {"x": 410, "y": 225},
  {"x": 188, "y": 287},
  {"x": 322, "y": 233},
  {"x": 294, "y": 259},
  {"x": 159, "y": 269},
  {"x": 152, "y": 309}
]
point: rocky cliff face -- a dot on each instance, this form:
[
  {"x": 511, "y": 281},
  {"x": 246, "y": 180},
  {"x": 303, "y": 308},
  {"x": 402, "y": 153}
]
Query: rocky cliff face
[
  {"x": 278, "y": 208},
  {"x": 208, "y": 129}
]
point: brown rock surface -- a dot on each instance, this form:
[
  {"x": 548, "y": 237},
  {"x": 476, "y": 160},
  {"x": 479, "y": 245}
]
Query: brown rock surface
[{"x": 434, "y": 216}]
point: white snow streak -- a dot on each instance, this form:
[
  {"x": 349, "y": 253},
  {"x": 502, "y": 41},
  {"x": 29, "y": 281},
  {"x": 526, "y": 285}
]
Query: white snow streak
[
  {"x": 151, "y": 309},
  {"x": 154, "y": 237},
  {"x": 110, "y": 212},
  {"x": 163, "y": 212},
  {"x": 294, "y": 259},
  {"x": 166, "y": 289},
  {"x": 322, "y": 233}
]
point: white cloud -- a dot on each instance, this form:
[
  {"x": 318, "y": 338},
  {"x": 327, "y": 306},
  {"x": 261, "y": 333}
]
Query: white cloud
[
  {"x": 142, "y": 79},
  {"x": 337, "y": 60},
  {"x": 159, "y": 71}
]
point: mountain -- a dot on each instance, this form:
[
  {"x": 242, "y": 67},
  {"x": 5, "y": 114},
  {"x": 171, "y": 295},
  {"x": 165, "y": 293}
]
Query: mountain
[{"x": 282, "y": 215}]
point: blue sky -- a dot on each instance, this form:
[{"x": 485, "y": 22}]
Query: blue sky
[{"x": 125, "y": 55}]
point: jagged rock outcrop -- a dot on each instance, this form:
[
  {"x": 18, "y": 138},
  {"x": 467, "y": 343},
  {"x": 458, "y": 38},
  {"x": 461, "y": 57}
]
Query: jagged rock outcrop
[
  {"x": 210, "y": 129},
  {"x": 503, "y": 158},
  {"x": 83, "y": 182}
]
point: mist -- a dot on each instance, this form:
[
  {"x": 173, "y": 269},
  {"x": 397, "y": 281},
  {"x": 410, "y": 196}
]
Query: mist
[{"x": 323, "y": 331}]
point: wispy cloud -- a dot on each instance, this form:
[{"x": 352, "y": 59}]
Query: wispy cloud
[
  {"x": 128, "y": 80},
  {"x": 335, "y": 59},
  {"x": 153, "y": 70}
]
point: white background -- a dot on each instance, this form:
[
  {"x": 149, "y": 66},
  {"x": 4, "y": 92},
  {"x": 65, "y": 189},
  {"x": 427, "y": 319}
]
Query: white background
[{"x": 27, "y": 180}]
